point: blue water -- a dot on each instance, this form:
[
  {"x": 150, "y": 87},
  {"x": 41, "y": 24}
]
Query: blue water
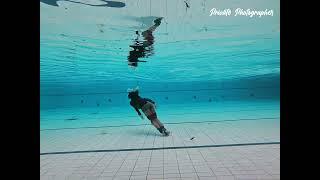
[{"x": 204, "y": 68}]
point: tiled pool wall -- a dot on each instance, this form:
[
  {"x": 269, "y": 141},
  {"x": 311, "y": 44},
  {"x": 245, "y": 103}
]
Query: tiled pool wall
[{"x": 114, "y": 93}]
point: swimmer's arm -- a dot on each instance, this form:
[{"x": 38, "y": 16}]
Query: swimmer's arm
[
  {"x": 139, "y": 113},
  {"x": 152, "y": 28},
  {"x": 135, "y": 108}
]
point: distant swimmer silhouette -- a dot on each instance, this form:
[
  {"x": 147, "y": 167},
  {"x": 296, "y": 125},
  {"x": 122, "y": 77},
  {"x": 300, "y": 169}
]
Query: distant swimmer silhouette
[
  {"x": 143, "y": 48},
  {"x": 114, "y": 4}
]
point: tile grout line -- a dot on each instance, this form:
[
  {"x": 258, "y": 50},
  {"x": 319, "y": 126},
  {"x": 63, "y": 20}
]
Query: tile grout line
[
  {"x": 176, "y": 157},
  {"x": 110, "y": 160},
  {"x": 124, "y": 159},
  {"x": 191, "y": 160},
  {"x": 140, "y": 152},
  {"x": 150, "y": 158},
  {"x": 204, "y": 158}
]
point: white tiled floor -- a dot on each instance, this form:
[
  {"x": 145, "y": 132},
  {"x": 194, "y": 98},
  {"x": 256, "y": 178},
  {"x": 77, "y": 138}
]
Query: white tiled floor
[
  {"x": 245, "y": 162},
  {"x": 146, "y": 136},
  {"x": 251, "y": 123}
]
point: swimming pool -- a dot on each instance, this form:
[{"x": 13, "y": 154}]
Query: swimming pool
[{"x": 216, "y": 79}]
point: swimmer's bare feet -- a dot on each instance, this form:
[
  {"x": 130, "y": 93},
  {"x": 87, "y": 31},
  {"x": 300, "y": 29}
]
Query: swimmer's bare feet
[{"x": 158, "y": 21}]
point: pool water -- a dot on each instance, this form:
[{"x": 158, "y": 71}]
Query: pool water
[{"x": 214, "y": 78}]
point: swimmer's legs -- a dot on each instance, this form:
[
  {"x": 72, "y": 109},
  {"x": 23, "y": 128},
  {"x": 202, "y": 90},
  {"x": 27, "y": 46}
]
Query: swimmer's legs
[
  {"x": 157, "y": 124},
  {"x": 157, "y": 121},
  {"x": 154, "y": 27}
]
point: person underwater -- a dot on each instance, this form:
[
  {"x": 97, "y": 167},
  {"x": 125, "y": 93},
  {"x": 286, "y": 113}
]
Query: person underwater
[{"x": 148, "y": 107}]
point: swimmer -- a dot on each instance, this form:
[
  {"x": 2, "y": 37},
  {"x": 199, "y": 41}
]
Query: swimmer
[{"x": 148, "y": 108}]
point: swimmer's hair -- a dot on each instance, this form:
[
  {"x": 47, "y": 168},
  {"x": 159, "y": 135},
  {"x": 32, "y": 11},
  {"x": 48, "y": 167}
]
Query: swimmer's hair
[
  {"x": 132, "y": 93},
  {"x": 132, "y": 89}
]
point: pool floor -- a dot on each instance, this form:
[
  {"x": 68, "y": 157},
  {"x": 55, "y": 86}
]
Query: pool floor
[{"x": 230, "y": 140}]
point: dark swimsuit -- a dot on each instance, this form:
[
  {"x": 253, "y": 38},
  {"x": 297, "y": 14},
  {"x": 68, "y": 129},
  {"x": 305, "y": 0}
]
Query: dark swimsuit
[{"x": 140, "y": 103}]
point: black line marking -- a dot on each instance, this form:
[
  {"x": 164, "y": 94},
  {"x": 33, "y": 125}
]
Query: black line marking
[
  {"x": 71, "y": 119},
  {"x": 191, "y": 122},
  {"x": 160, "y": 148}
]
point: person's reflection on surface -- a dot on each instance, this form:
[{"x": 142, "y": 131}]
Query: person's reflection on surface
[{"x": 144, "y": 48}]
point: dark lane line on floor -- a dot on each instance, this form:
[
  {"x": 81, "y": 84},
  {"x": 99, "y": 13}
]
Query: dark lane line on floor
[
  {"x": 160, "y": 148},
  {"x": 181, "y": 113},
  {"x": 191, "y": 122}
]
